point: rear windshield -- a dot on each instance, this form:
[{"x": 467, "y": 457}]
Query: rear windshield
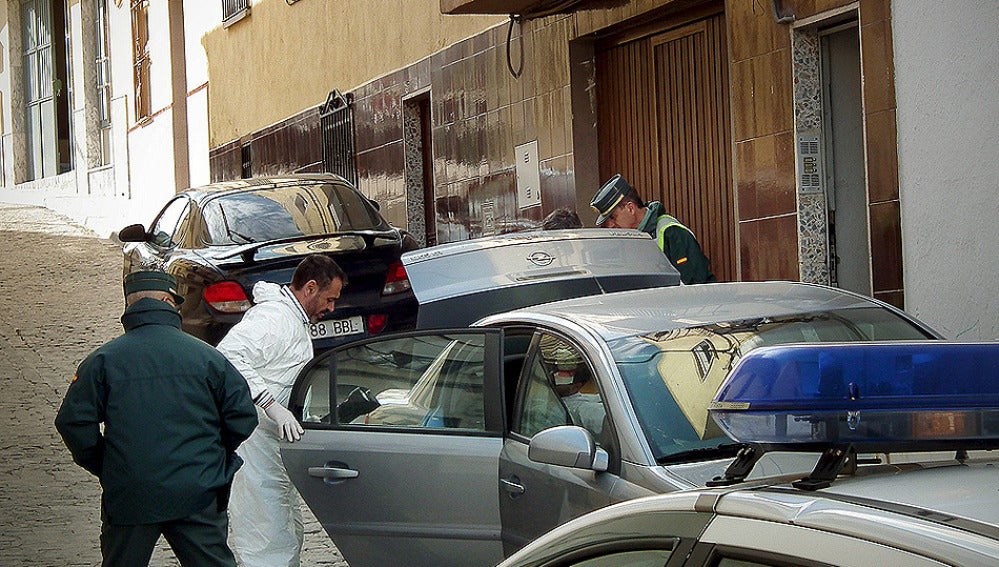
[
  {"x": 286, "y": 212},
  {"x": 672, "y": 375}
]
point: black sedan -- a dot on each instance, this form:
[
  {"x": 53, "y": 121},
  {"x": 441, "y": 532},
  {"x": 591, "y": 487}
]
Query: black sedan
[{"x": 221, "y": 239}]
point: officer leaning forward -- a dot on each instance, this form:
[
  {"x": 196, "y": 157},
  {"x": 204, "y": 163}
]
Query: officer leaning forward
[
  {"x": 173, "y": 410},
  {"x": 619, "y": 206}
]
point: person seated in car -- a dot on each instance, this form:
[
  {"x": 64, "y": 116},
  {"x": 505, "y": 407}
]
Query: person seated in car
[{"x": 574, "y": 384}]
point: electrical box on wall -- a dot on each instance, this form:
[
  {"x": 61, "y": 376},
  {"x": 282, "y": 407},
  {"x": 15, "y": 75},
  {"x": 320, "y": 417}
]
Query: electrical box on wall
[
  {"x": 809, "y": 162},
  {"x": 528, "y": 175}
]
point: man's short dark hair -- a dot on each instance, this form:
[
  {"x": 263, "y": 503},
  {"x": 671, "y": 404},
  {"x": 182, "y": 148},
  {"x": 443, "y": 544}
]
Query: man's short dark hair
[
  {"x": 561, "y": 218},
  {"x": 633, "y": 196},
  {"x": 317, "y": 267}
]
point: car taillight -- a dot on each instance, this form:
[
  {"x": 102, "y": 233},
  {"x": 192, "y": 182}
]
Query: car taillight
[
  {"x": 376, "y": 323},
  {"x": 226, "y": 297},
  {"x": 396, "y": 281}
]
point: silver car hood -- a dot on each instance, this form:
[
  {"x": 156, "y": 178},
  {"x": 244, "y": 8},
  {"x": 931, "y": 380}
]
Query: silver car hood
[{"x": 774, "y": 464}]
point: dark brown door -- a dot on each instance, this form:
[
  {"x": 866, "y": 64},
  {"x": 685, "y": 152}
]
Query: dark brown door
[{"x": 664, "y": 124}]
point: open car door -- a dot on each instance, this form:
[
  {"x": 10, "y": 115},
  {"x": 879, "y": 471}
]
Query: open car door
[{"x": 399, "y": 460}]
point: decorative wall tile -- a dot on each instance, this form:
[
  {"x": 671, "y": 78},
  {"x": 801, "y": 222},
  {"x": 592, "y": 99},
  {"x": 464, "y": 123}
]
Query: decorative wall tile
[
  {"x": 807, "y": 82},
  {"x": 813, "y": 225},
  {"x": 413, "y": 156}
]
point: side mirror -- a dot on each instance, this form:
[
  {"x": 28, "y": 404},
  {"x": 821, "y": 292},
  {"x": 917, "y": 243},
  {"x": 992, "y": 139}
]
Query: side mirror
[
  {"x": 375, "y": 204},
  {"x": 568, "y": 446},
  {"x": 133, "y": 233}
]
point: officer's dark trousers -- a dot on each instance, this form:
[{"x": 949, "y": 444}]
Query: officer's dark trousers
[{"x": 197, "y": 540}]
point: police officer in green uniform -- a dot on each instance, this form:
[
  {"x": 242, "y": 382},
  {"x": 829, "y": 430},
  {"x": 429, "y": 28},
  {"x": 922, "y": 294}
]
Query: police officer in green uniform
[
  {"x": 173, "y": 411},
  {"x": 618, "y": 205}
]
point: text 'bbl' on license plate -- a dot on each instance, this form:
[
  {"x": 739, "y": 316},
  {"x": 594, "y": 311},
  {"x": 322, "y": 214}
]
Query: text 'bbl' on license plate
[{"x": 337, "y": 328}]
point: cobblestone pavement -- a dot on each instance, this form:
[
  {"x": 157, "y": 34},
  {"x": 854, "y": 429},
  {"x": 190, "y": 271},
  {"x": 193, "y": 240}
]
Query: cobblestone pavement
[{"x": 60, "y": 297}]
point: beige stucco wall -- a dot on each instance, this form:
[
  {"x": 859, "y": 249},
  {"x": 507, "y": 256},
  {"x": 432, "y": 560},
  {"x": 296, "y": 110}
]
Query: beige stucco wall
[{"x": 285, "y": 58}]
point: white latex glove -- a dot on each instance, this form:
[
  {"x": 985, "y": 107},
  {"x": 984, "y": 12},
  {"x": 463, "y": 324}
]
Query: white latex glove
[{"x": 288, "y": 426}]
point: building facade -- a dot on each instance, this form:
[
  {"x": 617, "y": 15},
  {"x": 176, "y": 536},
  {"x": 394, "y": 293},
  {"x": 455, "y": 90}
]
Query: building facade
[
  {"x": 105, "y": 105},
  {"x": 833, "y": 141}
]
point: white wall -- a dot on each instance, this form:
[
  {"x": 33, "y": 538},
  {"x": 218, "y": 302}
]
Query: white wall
[
  {"x": 200, "y": 17},
  {"x": 6, "y": 156},
  {"x": 946, "y": 84}
]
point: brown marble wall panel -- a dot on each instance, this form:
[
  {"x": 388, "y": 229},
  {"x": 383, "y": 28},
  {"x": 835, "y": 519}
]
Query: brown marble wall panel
[
  {"x": 525, "y": 87},
  {"x": 764, "y": 170},
  {"x": 877, "y": 66},
  {"x": 288, "y": 147},
  {"x": 381, "y": 177},
  {"x": 530, "y": 129},
  {"x": 886, "y": 247},
  {"x": 752, "y": 31},
  {"x": 543, "y": 121},
  {"x": 378, "y": 117},
  {"x": 882, "y": 156},
  {"x": 872, "y": 11},
  {"x": 417, "y": 77},
  {"x": 560, "y": 100},
  {"x": 225, "y": 162},
  {"x": 761, "y": 95},
  {"x": 291, "y": 146},
  {"x": 769, "y": 249},
  {"x": 555, "y": 189}
]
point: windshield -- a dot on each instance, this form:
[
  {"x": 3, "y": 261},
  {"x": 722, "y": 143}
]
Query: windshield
[
  {"x": 671, "y": 376},
  {"x": 290, "y": 211}
]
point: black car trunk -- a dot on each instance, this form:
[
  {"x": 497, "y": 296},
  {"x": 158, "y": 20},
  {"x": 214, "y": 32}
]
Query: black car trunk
[{"x": 365, "y": 268}]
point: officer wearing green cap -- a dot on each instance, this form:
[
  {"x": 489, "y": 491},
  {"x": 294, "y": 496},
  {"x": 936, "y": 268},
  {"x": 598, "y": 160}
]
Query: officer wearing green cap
[
  {"x": 618, "y": 205},
  {"x": 173, "y": 411}
]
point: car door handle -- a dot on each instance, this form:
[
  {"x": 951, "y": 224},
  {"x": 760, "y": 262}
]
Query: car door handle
[
  {"x": 512, "y": 485},
  {"x": 332, "y": 473}
]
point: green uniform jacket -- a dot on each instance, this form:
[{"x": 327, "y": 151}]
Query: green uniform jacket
[
  {"x": 678, "y": 244},
  {"x": 174, "y": 410}
]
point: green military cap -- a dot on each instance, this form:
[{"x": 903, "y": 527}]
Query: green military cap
[
  {"x": 151, "y": 280},
  {"x": 609, "y": 196}
]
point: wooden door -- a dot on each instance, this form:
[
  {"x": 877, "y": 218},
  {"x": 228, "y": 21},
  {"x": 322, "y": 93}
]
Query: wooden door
[{"x": 663, "y": 112}]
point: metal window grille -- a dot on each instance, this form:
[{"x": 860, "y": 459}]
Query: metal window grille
[
  {"x": 140, "y": 55},
  {"x": 103, "y": 64},
  {"x": 246, "y": 155},
  {"x": 336, "y": 118},
  {"x": 233, "y": 10}
]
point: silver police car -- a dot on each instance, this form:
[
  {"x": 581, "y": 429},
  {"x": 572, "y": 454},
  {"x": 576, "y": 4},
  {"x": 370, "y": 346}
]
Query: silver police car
[{"x": 456, "y": 447}]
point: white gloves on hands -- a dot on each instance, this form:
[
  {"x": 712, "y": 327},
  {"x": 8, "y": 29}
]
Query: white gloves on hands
[{"x": 288, "y": 427}]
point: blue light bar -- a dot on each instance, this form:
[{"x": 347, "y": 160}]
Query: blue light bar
[{"x": 885, "y": 394}]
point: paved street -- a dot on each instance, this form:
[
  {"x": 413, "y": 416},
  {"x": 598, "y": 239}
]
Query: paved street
[{"x": 60, "y": 297}]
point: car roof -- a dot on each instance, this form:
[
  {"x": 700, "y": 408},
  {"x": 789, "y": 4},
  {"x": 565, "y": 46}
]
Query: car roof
[
  {"x": 630, "y": 313},
  {"x": 237, "y": 185},
  {"x": 899, "y": 502}
]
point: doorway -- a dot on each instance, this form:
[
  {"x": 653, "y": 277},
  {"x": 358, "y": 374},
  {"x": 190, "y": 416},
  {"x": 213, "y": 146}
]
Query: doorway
[{"x": 846, "y": 188}]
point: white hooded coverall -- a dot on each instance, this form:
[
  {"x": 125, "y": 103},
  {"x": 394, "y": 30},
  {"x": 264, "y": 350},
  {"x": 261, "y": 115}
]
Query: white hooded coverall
[{"x": 269, "y": 346}]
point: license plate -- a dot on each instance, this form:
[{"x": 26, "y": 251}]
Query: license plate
[{"x": 337, "y": 328}]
